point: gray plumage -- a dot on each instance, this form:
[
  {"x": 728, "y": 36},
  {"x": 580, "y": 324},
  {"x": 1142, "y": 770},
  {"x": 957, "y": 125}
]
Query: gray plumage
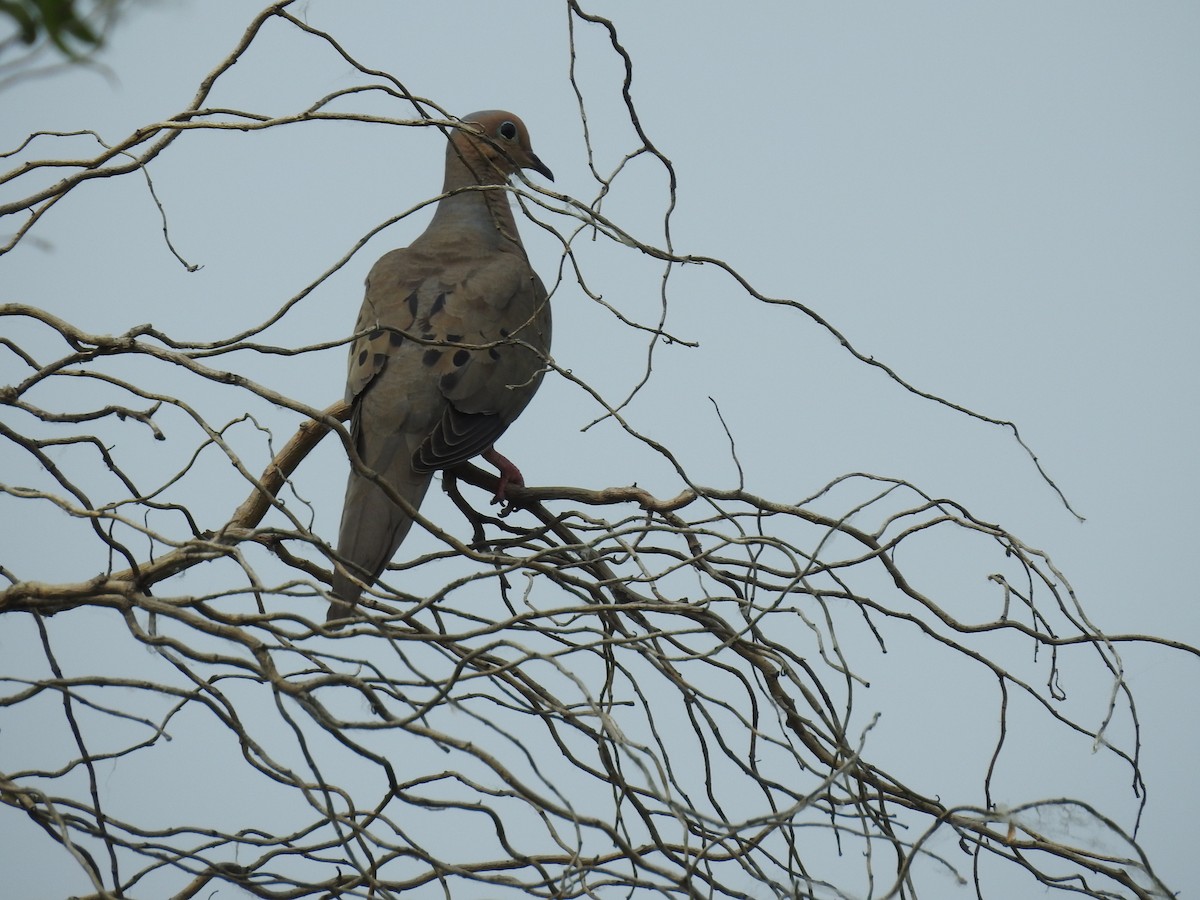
[{"x": 457, "y": 330}]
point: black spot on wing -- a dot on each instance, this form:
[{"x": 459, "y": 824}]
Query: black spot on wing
[
  {"x": 493, "y": 353},
  {"x": 431, "y": 357},
  {"x": 438, "y": 304},
  {"x": 462, "y": 357},
  {"x": 395, "y": 338},
  {"x": 362, "y": 356},
  {"x": 412, "y": 302}
]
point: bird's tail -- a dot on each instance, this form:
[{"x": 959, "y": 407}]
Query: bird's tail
[{"x": 371, "y": 531}]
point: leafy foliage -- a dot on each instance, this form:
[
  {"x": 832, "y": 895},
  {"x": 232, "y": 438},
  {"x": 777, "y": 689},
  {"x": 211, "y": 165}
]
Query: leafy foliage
[{"x": 67, "y": 24}]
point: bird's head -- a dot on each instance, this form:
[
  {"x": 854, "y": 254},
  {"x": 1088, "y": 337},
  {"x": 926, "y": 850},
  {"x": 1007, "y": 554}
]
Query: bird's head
[{"x": 500, "y": 141}]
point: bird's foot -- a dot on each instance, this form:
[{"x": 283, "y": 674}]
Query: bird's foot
[{"x": 509, "y": 474}]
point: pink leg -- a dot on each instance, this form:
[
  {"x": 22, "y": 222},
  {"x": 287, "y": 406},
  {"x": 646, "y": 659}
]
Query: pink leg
[{"x": 509, "y": 474}]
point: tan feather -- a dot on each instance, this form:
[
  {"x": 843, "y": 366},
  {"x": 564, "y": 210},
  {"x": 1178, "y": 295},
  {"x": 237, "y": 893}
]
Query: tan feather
[{"x": 454, "y": 333}]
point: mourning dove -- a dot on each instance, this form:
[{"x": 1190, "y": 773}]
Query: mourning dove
[{"x": 452, "y": 342}]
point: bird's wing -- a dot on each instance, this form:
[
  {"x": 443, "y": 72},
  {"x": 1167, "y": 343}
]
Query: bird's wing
[{"x": 450, "y": 351}]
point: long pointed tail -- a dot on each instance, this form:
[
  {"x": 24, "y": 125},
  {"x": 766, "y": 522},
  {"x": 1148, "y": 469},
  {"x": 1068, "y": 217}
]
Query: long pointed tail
[{"x": 372, "y": 530}]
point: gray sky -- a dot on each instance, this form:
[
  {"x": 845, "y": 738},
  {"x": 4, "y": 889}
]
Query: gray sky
[{"x": 1001, "y": 203}]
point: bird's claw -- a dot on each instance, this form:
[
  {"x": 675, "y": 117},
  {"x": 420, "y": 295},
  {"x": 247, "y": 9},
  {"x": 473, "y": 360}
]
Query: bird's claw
[{"x": 509, "y": 474}]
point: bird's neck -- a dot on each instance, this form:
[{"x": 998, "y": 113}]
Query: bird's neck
[{"x": 487, "y": 213}]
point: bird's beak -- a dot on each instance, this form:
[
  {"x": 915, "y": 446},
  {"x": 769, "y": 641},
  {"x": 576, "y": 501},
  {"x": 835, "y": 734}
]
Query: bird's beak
[{"x": 537, "y": 165}]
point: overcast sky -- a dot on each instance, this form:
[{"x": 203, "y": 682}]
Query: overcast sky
[{"x": 999, "y": 202}]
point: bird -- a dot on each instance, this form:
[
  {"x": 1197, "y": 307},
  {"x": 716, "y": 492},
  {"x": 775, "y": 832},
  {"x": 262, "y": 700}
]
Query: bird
[{"x": 451, "y": 344}]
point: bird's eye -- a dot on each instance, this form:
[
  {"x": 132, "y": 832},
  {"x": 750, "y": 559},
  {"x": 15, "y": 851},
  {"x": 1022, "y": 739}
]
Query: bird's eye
[{"x": 507, "y": 130}]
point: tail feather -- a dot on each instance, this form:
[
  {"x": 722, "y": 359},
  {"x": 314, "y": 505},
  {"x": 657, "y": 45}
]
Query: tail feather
[{"x": 372, "y": 530}]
